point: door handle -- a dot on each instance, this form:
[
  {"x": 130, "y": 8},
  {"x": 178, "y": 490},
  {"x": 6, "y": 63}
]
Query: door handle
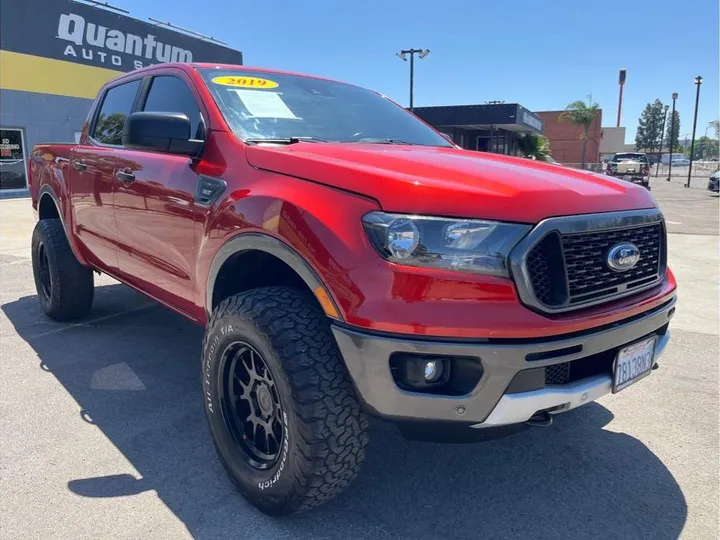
[
  {"x": 125, "y": 176},
  {"x": 78, "y": 165}
]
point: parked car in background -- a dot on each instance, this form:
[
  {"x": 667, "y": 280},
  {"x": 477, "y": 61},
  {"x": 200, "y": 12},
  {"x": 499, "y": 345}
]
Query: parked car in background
[
  {"x": 680, "y": 162},
  {"x": 714, "y": 182},
  {"x": 631, "y": 166}
]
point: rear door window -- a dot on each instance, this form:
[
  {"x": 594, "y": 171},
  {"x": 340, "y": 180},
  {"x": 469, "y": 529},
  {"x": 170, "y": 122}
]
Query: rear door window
[
  {"x": 171, "y": 94},
  {"x": 116, "y": 106}
]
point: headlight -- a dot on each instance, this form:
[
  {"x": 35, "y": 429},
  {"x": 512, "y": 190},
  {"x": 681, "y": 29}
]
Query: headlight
[{"x": 465, "y": 245}]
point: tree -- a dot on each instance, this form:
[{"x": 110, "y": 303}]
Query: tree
[
  {"x": 649, "y": 131},
  {"x": 705, "y": 148},
  {"x": 715, "y": 124},
  {"x": 110, "y": 127},
  {"x": 581, "y": 114},
  {"x": 671, "y": 136},
  {"x": 534, "y": 146}
]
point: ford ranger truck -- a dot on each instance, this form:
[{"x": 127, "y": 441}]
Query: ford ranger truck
[{"x": 347, "y": 260}]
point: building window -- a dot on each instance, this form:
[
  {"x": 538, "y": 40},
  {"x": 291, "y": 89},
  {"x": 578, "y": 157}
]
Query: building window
[{"x": 13, "y": 165}]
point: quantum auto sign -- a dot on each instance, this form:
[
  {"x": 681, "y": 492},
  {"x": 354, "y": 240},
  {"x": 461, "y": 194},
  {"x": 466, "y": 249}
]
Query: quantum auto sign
[
  {"x": 83, "y": 34},
  {"x": 96, "y": 41}
]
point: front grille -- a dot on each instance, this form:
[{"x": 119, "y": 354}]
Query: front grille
[
  {"x": 577, "y": 370},
  {"x": 568, "y": 270},
  {"x": 586, "y": 254}
]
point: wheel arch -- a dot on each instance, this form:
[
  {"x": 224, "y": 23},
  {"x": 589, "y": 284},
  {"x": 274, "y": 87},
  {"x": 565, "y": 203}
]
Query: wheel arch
[
  {"x": 50, "y": 207},
  {"x": 246, "y": 243}
]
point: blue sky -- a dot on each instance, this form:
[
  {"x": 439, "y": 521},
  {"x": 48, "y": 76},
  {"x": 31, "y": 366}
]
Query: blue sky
[{"x": 540, "y": 54}]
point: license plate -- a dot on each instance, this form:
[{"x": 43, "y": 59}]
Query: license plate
[
  {"x": 627, "y": 177},
  {"x": 633, "y": 363}
]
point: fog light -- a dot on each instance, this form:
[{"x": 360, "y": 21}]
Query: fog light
[
  {"x": 433, "y": 370},
  {"x": 419, "y": 372}
]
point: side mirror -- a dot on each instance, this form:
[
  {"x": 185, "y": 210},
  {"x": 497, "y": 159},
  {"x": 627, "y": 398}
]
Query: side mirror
[{"x": 161, "y": 132}]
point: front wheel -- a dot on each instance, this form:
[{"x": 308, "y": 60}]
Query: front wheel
[{"x": 281, "y": 407}]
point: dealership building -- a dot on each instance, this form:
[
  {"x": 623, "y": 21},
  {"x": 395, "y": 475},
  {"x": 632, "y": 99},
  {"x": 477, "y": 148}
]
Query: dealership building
[
  {"x": 54, "y": 57},
  {"x": 492, "y": 127}
]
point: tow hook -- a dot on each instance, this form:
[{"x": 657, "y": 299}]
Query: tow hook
[{"x": 540, "y": 419}]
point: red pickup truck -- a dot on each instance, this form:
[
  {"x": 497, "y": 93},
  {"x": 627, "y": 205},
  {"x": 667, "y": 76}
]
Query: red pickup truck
[{"x": 346, "y": 260}]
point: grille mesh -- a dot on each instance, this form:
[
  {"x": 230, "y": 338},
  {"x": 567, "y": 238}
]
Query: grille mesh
[
  {"x": 586, "y": 259},
  {"x": 558, "y": 373},
  {"x": 572, "y": 268},
  {"x": 543, "y": 263}
]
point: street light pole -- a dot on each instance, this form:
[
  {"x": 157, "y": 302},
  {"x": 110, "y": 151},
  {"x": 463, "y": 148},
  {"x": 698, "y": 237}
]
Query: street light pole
[
  {"x": 662, "y": 134},
  {"x": 422, "y": 53},
  {"x": 698, "y": 82},
  {"x": 672, "y": 135}
]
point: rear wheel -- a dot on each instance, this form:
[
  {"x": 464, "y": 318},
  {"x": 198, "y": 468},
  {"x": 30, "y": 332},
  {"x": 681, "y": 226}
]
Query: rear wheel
[
  {"x": 281, "y": 407},
  {"x": 64, "y": 287}
]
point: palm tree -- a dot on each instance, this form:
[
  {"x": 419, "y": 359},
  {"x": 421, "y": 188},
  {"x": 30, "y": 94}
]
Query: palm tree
[
  {"x": 534, "y": 146},
  {"x": 581, "y": 114}
]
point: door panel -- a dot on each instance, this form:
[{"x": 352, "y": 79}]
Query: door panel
[
  {"x": 91, "y": 191},
  {"x": 92, "y": 176},
  {"x": 155, "y": 214}
]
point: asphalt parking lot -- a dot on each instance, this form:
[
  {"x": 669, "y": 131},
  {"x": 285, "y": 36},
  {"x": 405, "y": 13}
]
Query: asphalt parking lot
[{"x": 102, "y": 432}]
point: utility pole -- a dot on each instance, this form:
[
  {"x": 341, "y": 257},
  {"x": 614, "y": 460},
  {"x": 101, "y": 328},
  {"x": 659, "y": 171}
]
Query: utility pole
[
  {"x": 698, "y": 82},
  {"x": 672, "y": 135},
  {"x": 422, "y": 53},
  {"x": 623, "y": 74},
  {"x": 662, "y": 134}
]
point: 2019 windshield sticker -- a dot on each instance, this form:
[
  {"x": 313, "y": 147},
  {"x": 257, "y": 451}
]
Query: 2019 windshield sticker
[{"x": 245, "y": 82}]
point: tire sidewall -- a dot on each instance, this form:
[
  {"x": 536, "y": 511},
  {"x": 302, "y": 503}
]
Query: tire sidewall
[
  {"x": 40, "y": 237},
  {"x": 276, "y": 481}
]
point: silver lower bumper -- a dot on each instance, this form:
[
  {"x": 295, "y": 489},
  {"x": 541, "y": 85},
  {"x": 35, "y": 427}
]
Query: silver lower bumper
[
  {"x": 490, "y": 403},
  {"x": 517, "y": 408}
]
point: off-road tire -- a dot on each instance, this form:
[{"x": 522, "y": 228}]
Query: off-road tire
[
  {"x": 325, "y": 430},
  {"x": 69, "y": 286}
]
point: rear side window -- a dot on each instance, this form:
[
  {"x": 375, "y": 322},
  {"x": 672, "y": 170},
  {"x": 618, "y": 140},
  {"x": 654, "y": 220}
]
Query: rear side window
[
  {"x": 116, "y": 106},
  {"x": 171, "y": 94}
]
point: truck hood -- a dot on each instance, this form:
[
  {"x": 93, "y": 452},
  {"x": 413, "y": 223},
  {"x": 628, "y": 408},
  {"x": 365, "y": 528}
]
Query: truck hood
[{"x": 452, "y": 182}]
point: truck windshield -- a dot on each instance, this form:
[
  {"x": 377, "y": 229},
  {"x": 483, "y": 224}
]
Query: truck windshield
[
  {"x": 630, "y": 157},
  {"x": 275, "y": 106}
]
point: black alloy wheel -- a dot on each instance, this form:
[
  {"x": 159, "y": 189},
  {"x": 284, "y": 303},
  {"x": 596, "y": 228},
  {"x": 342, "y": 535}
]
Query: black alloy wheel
[
  {"x": 250, "y": 405},
  {"x": 44, "y": 271}
]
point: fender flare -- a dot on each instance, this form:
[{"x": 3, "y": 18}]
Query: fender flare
[
  {"x": 48, "y": 190},
  {"x": 273, "y": 246}
]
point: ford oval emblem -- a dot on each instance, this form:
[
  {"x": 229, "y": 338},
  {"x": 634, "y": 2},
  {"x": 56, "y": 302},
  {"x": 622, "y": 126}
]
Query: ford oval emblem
[{"x": 623, "y": 257}]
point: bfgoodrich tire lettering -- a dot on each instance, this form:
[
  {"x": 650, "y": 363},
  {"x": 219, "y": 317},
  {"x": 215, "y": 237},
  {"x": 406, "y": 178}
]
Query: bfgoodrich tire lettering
[
  {"x": 324, "y": 432},
  {"x": 64, "y": 287}
]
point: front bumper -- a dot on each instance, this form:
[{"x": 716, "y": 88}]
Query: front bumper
[{"x": 493, "y": 402}]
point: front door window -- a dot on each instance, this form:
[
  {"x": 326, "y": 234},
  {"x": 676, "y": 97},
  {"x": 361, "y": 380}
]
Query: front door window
[{"x": 13, "y": 171}]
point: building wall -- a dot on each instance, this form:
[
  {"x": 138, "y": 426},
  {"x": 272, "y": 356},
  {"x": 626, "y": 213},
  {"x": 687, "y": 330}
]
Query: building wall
[
  {"x": 566, "y": 139},
  {"x": 56, "y": 54},
  {"x": 45, "y": 118}
]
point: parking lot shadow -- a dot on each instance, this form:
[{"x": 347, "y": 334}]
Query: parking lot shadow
[{"x": 133, "y": 367}]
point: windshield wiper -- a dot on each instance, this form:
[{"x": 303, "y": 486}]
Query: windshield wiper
[
  {"x": 283, "y": 140},
  {"x": 378, "y": 140}
]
